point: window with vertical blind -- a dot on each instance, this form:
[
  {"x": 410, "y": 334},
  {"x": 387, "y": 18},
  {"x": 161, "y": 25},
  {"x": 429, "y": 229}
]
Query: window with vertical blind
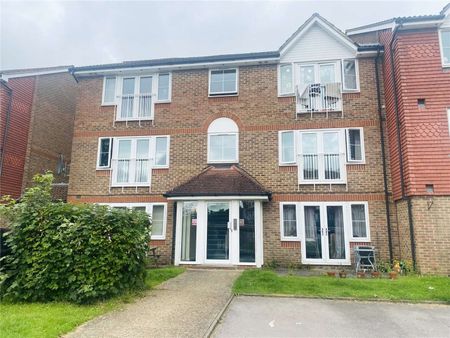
[
  {"x": 156, "y": 211},
  {"x": 288, "y": 222}
]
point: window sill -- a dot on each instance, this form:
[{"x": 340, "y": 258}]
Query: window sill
[
  {"x": 223, "y": 95},
  {"x": 222, "y": 162},
  {"x": 163, "y": 102},
  {"x": 158, "y": 238},
  {"x": 355, "y": 162},
  {"x": 321, "y": 182},
  {"x": 292, "y": 164},
  {"x": 131, "y": 185},
  {"x": 134, "y": 119},
  {"x": 290, "y": 239},
  {"x": 358, "y": 240},
  {"x": 108, "y": 104},
  {"x": 103, "y": 169},
  {"x": 280, "y": 96}
]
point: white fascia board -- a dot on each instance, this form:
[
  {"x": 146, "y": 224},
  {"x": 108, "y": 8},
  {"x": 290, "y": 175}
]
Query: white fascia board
[
  {"x": 353, "y": 31},
  {"x": 17, "y": 75},
  {"x": 150, "y": 69},
  {"x": 222, "y": 198}
]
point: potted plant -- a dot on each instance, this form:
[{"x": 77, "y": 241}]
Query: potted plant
[
  {"x": 376, "y": 274},
  {"x": 361, "y": 274},
  {"x": 331, "y": 273},
  {"x": 342, "y": 274},
  {"x": 393, "y": 274}
]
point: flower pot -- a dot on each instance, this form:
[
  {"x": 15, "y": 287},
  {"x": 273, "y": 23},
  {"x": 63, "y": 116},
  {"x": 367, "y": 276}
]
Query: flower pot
[
  {"x": 376, "y": 274},
  {"x": 343, "y": 274},
  {"x": 361, "y": 275},
  {"x": 393, "y": 275},
  {"x": 331, "y": 273}
]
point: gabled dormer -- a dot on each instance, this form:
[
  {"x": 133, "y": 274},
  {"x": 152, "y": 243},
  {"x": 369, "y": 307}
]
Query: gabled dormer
[{"x": 317, "y": 64}]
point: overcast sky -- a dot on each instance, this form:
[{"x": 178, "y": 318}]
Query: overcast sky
[{"x": 38, "y": 34}]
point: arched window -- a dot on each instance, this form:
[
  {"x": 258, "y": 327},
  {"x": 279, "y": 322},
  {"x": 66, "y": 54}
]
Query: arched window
[{"x": 223, "y": 141}]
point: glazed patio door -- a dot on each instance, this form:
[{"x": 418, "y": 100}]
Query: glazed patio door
[
  {"x": 218, "y": 232},
  {"x": 324, "y": 239}
]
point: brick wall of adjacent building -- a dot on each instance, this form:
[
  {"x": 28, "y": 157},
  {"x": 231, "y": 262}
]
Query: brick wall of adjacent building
[{"x": 260, "y": 114}]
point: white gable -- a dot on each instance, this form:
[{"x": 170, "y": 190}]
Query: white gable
[{"x": 317, "y": 43}]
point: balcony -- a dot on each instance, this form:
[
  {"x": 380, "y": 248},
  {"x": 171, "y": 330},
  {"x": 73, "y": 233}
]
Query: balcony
[
  {"x": 319, "y": 98},
  {"x": 136, "y": 107},
  {"x": 322, "y": 168},
  {"x": 134, "y": 172}
]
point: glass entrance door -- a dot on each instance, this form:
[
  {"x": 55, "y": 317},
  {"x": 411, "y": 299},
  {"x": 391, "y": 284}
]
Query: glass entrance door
[
  {"x": 246, "y": 231},
  {"x": 335, "y": 234},
  {"x": 218, "y": 232}
]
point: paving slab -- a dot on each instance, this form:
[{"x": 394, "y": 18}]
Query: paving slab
[
  {"x": 185, "y": 306},
  {"x": 249, "y": 316}
]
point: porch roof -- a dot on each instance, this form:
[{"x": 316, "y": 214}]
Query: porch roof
[{"x": 223, "y": 180}]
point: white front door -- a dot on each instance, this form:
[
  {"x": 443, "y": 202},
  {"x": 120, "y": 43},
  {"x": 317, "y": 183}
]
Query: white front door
[
  {"x": 324, "y": 239},
  {"x": 219, "y": 232}
]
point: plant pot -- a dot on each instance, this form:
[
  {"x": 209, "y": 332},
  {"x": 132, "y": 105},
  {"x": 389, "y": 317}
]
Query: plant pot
[
  {"x": 376, "y": 274},
  {"x": 343, "y": 274},
  {"x": 393, "y": 275},
  {"x": 331, "y": 273},
  {"x": 361, "y": 275}
]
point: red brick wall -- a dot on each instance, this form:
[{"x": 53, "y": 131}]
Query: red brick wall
[{"x": 15, "y": 146}]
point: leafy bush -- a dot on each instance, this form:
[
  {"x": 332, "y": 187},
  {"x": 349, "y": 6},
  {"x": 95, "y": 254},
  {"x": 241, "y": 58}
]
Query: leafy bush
[{"x": 78, "y": 253}]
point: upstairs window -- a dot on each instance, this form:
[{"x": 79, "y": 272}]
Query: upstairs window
[
  {"x": 109, "y": 91},
  {"x": 349, "y": 75},
  {"x": 104, "y": 152},
  {"x": 223, "y": 141},
  {"x": 444, "y": 37},
  {"x": 164, "y": 87},
  {"x": 223, "y": 82},
  {"x": 355, "y": 145},
  {"x": 287, "y": 147},
  {"x": 133, "y": 159},
  {"x": 285, "y": 80}
]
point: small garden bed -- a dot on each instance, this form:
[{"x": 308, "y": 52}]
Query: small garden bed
[
  {"x": 408, "y": 288},
  {"x": 42, "y": 320}
]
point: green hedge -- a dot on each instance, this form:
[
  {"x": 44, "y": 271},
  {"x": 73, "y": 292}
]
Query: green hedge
[{"x": 77, "y": 253}]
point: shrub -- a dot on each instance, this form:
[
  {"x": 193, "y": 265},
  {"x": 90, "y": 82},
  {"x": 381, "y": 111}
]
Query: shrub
[{"x": 77, "y": 253}]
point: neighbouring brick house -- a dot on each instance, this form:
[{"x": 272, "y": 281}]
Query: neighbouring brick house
[
  {"x": 242, "y": 159},
  {"x": 37, "y": 109},
  {"x": 416, "y": 67}
]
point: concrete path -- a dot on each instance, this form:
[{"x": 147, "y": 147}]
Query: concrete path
[
  {"x": 296, "y": 317},
  {"x": 185, "y": 306}
]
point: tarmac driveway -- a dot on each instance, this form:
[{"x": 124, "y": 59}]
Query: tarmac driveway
[
  {"x": 296, "y": 317},
  {"x": 185, "y": 306}
]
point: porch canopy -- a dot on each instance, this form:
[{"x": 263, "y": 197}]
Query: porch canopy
[{"x": 220, "y": 182}]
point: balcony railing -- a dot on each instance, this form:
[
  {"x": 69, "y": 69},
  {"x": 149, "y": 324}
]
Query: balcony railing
[
  {"x": 322, "y": 168},
  {"x": 135, "y": 107},
  {"x": 319, "y": 98},
  {"x": 130, "y": 172}
]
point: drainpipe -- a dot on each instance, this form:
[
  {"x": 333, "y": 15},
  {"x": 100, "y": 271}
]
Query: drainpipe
[
  {"x": 383, "y": 156},
  {"x": 6, "y": 129},
  {"x": 174, "y": 226},
  {"x": 399, "y": 145}
]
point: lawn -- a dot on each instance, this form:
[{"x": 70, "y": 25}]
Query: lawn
[
  {"x": 53, "y": 319},
  {"x": 412, "y": 289}
]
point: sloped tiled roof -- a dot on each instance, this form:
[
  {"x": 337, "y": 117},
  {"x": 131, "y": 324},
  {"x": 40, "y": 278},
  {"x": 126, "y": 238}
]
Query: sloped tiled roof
[{"x": 220, "y": 181}]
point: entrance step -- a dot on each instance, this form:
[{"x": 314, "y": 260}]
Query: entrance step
[{"x": 217, "y": 267}]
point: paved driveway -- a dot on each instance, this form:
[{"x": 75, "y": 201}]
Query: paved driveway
[
  {"x": 295, "y": 317},
  {"x": 185, "y": 306}
]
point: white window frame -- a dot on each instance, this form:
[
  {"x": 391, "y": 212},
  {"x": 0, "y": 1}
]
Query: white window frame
[
  {"x": 347, "y": 141},
  {"x": 114, "y": 101},
  {"x": 169, "y": 98},
  {"x": 111, "y": 142},
  {"x": 280, "y": 148},
  {"x": 162, "y": 166},
  {"x": 280, "y": 94},
  {"x": 441, "y": 47},
  {"x": 229, "y": 93},
  {"x": 235, "y": 160},
  {"x": 350, "y": 90},
  {"x": 321, "y": 165},
  {"x": 148, "y": 210},
  {"x": 366, "y": 211},
  {"x": 152, "y": 149},
  {"x": 297, "y": 211}
]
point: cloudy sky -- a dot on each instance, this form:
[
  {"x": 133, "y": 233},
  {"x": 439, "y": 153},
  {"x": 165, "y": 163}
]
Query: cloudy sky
[{"x": 38, "y": 34}]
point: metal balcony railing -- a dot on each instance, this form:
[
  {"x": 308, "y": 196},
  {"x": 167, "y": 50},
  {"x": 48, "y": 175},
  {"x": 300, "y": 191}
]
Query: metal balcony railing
[
  {"x": 322, "y": 168},
  {"x": 134, "y": 172},
  {"x": 319, "y": 98},
  {"x": 135, "y": 107}
]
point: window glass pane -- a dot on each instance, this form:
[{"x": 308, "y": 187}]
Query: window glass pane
[
  {"x": 306, "y": 75},
  {"x": 354, "y": 140},
  {"x": 286, "y": 85},
  {"x": 128, "y": 86},
  {"x": 287, "y": 147},
  {"x": 309, "y": 143},
  {"x": 163, "y": 87},
  {"x": 161, "y": 151},
  {"x": 445, "y": 37},
  {"x": 157, "y": 220},
  {"x": 110, "y": 89},
  {"x": 335, "y": 232},
  {"x": 331, "y": 143},
  {"x": 142, "y": 161},
  {"x": 222, "y": 147},
  {"x": 189, "y": 232},
  {"x": 313, "y": 237},
  {"x": 289, "y": 220},
  {"x": 247, "y": 231},
  {"x": 229, "y": 79},
  {"x": 139, "y": 209},
  {"x": 104, "y": 152},
  {"x": 124, "y": 149},
  {"x": 331, "y": 156},
  {"x": 223, "y": 81},
  {"x": 216, "y": 81},
  {"x": 327, "y": 74},
  {"x": 142, "y": 148},
  {"x": 359, "y": 225},
  {"x": 145, "y": 85},
  {"x": 349, "y": 74}
]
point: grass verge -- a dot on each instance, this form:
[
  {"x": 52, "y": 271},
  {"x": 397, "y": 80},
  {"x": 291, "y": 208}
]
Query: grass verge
[
  {"x": 45, "y": 320},
  {"x": 411, "y": 289}
]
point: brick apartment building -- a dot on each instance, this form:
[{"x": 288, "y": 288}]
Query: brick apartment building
[
  {"x": 241, "y": 159},
  {"x": 37, "y": 109},
  {"x": 416, "y": 70}
]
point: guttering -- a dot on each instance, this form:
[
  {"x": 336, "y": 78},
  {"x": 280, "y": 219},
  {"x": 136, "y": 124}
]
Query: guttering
[
  {"x": 383, "y": 156},
  {"x": 6, "y": 130},
  {"x": 399, "y": 145}
]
